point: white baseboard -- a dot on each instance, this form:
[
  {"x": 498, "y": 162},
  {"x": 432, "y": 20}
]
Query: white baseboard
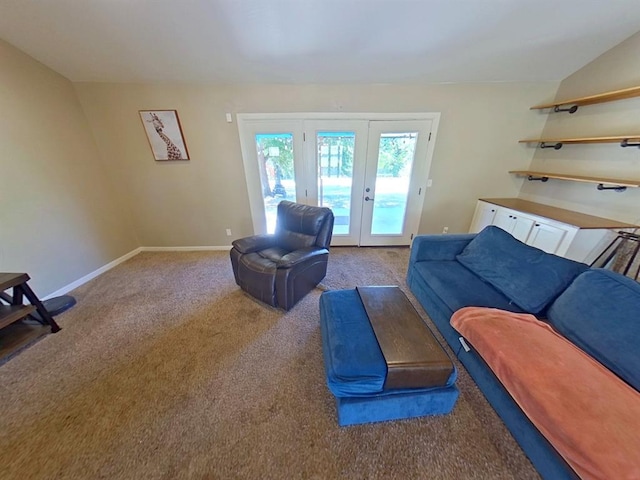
[
  {"x": 94, "y": 274},
  {"x": 124, "y": 258},
  {"x": 184, "y": 249}
]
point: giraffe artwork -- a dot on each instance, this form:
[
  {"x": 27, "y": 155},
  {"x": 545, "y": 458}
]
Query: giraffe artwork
[{"x": 164, "y": 134}]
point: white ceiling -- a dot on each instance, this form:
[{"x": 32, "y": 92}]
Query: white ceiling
[{"x": 316, "y": 41}]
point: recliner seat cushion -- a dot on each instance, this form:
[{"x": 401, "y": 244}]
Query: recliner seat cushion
[
  {"x": 274, "y": 254},
  {"x": 527, "y": 275}
]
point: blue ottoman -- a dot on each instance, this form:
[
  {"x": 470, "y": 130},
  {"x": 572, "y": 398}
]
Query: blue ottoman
[{"x": 357, "y": 370}]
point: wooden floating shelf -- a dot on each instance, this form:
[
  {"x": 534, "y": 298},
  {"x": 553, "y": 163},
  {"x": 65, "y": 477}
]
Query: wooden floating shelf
[
  {"x": 593, "y": 99},
  {"x": 619, "y": 184},
  {"x": 613, "y": 139}
]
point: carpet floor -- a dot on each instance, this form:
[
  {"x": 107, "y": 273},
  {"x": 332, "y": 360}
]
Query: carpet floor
[{"x": 165, "y": 369}]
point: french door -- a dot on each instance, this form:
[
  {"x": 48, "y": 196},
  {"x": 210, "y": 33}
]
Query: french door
[
  {"x": 274, "y": 167},
  {"x": 335, "y": 153},
  {"x": 371, "y": 173}
]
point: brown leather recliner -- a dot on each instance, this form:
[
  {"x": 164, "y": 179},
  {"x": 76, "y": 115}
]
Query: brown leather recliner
[{"x": 282, "y": 268}]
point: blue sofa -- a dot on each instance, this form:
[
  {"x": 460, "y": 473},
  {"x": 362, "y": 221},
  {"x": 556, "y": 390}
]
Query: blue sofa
[{"x": 595, "y": 309}]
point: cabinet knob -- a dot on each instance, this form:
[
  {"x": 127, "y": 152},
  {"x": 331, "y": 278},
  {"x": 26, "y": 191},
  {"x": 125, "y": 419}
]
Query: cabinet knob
[{"x": 537, "y": 224}]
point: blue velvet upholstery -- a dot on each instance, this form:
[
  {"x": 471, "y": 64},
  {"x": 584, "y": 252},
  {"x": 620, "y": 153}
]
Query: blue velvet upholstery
[
  {"x": 444, "y": 286},
  {"x": 438, "y": 247},
  {"x": 352, "y": 358},
  {"x": 441, "y": 287},
  {"x": 458, "y": 287},
  {"x": 380, "y": 408},
  {"x": 529, "y": 276},
  {"x": 599, "y": 313},
  {"x": 356, "y": 369}
]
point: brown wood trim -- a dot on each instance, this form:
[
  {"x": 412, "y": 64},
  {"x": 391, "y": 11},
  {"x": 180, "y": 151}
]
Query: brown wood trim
[
  {"x": 593, "y": 99},
  {"x": 8, "y": 280},
  {"x": 13, "y": 313},
  {"x": 414, "y": 357}
]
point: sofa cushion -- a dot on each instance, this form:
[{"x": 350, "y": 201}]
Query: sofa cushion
[
  {"x": 599, "y": 314},
  {"x": 527, "y": 275},
  {"x": 458, "y": 287}
]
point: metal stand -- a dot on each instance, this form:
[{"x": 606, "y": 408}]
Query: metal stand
[{"x": 621, "y": 254}]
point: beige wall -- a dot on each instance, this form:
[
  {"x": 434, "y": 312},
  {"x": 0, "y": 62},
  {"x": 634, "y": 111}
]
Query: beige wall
[
  {"x": 617, "y": 68},
  {"x": 59, "y": 219},
  {"x": 192, "y": 203},
  {"x": 70, "y": 207}
]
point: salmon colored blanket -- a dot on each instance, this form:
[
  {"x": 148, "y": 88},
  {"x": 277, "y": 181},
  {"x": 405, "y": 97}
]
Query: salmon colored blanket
[{"x": 589, "y": 415}]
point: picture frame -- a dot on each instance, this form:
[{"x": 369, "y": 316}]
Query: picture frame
[{"x": 164, "y": 134}]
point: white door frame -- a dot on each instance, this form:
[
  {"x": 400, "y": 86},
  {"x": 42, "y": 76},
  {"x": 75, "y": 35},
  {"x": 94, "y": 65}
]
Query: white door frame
[
  {"x": 251, "y": 123},
  {"x": 416, "y": 189}
]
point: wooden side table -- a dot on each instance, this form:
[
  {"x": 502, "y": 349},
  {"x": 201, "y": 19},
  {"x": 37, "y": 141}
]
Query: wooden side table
[{"x": 16, "y": 310}]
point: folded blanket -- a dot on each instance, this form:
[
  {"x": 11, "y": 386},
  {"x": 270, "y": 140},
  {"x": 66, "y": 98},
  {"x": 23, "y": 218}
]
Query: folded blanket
[{"x": 589, "y": 415}]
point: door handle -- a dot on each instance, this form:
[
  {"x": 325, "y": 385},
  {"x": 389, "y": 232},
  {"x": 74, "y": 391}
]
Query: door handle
[{"x": 368, "y": 199}]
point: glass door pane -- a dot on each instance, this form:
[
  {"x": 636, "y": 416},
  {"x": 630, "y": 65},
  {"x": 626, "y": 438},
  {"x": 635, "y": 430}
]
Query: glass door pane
[
  {"x": 336, "y": 151},
  {"x": 395, "y": 161},
  {"x": 277, "y": 174},
  {"x": 395, "y": 178},
  {"x": 335, "y": 176}
]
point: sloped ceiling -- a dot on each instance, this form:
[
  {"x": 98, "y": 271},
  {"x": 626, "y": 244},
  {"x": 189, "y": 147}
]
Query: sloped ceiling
[{"x": 316, "y": 41}]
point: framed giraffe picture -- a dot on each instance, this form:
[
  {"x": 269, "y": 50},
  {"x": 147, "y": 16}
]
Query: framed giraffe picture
[{"x": 164, "y": 134}]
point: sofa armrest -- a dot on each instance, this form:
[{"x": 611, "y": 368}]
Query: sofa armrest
[
  {"x": 438, "y": 247},
  {"x": 253, "y": 243},
  {"x": 298, "y": 256}
]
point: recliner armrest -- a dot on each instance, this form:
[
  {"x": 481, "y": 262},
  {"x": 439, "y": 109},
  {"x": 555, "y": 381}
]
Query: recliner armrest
[
  {"x": 438, "y": 247},
  {"x": 298, "y": 256},
  {"x": 253, "y": 243}
]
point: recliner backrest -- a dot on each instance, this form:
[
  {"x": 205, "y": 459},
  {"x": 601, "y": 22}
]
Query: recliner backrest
[{"x": 302, "y": 226}]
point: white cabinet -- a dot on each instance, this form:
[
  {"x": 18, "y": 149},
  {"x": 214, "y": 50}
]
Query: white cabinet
[
  {"x": 567, "y": 233},
  {"x": 546, "y": 237},
  {"x": 513, "y": 222},
  {"x": 540, "y": 232},
  {"x": 483, "y": 216}
]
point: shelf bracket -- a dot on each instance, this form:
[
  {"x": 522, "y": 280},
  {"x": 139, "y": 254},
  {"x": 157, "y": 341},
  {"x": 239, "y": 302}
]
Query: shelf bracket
[
  {"x": 531, "y": 178},
  {"x": 625, "y": 143},
  {"x": 573, "y": 109},
  {"x": 617, "y": 188},
  {"x": 555, "y": 146}
]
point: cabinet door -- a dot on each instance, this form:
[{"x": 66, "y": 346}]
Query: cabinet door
[
  {"x": 546, "y": 237},
  {"x": 504, "y": 219},
  {"x": 483, "y": 216},
  {"x": 521, "y": 227}
]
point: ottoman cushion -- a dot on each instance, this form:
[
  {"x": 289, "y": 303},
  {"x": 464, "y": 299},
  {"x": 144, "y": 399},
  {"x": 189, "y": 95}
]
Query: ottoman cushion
[
  {"x": 356, "y": 369},
  {"x": 353, "y": 367},
  {"x": 354, "y": 363}
]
